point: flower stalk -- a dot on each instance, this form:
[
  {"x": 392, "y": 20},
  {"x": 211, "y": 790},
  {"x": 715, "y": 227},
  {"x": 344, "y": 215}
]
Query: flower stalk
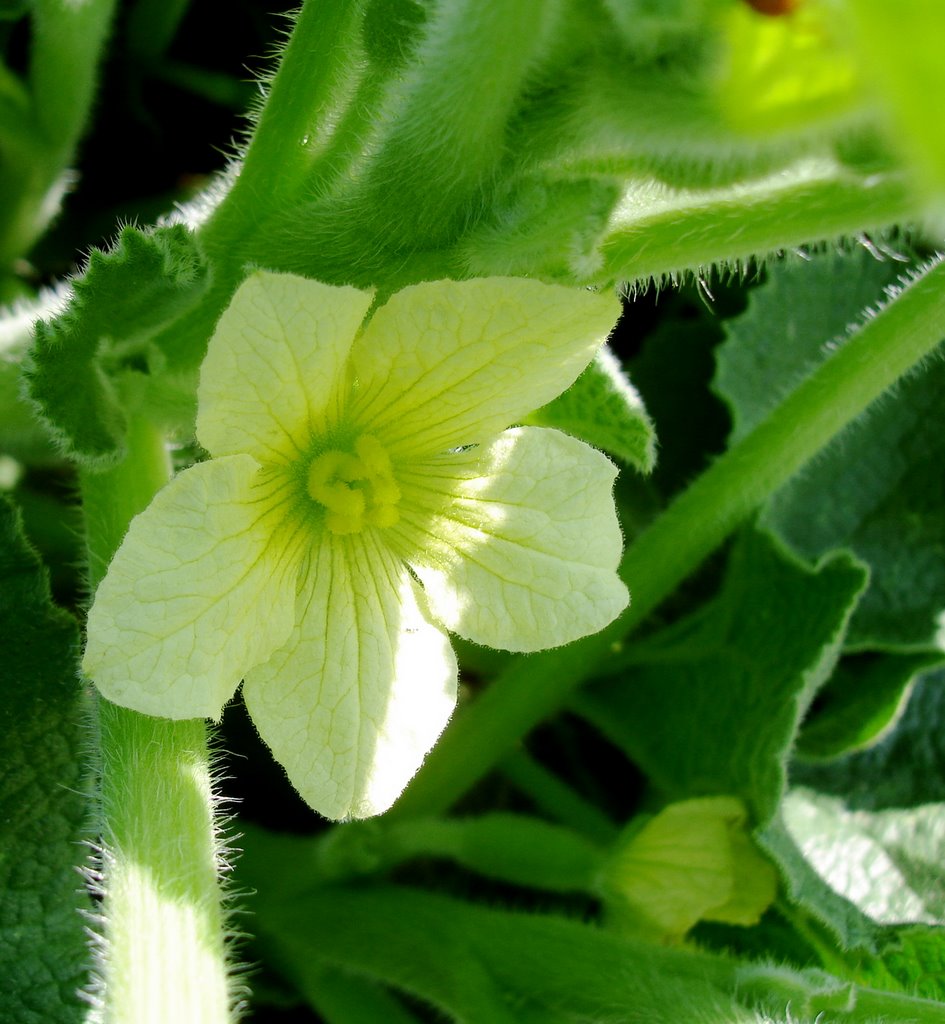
[{"x": 161, "y": 933}]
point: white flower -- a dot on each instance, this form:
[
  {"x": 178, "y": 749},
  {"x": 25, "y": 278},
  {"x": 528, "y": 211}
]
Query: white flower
[{"x": 364, "y": 497}]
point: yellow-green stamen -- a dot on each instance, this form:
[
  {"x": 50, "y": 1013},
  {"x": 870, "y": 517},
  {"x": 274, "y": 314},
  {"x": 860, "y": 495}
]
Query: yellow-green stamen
[{"x": 357, "y": 489}]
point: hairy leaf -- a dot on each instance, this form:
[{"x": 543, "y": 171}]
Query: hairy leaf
[
  {"x": 605, "y": 409},
  {"x": 861, "y": 702},
  {"x": 712, "y": 705},
  {"x": 914, "y": 963},
  {"x": 877, "y": 489},
  {"x": 904, "y": 769},
  {"x": 42, "y": 808},
  {"x": 88, "y": 361},
  {"x": 887, "y": 863}
]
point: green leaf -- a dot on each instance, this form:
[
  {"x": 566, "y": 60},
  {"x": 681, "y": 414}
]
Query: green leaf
[
  {"x": 42, "y": 806},
  {"x": 10, "y": 10},
  {"x": 21, "y": 432},
  {"x": 91, "y": 358},
  {"x": 482, "y": 965},
  {"x": 880, "y": 492},
  {"x": 861, "y": 700},
  {"x": 904, "y": 769},
  {"x": 603, "y": 408},
  {"x": 887, "y": 863},
  {"x": 692, "y": 421},
  {"x": 537, "y": 967},
  {"x": 824, "y": 912},
  {"x": 712, "y": 704},
  {"x": 914, "y": 963},
  {"x": 789, "y": 327},
  {"x": 333, "y": 996},
  {"x": 877, "y": 489}
]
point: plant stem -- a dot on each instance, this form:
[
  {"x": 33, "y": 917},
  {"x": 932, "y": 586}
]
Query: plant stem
[
  {"x": 558, "y": 799},
  {"x": 872, "y": 1004},
  {"x": 692, "y": 527},
  {"x": 692, "y": 230},
  {"x": 163, "y": 949},
  {"x": 68, "y": 42},
  {"x": 318, "y": 70}
]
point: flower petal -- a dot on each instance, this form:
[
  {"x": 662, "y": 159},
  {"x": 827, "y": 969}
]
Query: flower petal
[
  {"x": 359, "y": 694},
  {"x": 274, "y": 365},
  {"x": 517, "y": 547},
  {"x": 200, "y": 590},
  {"x": 449, "y": 363}
]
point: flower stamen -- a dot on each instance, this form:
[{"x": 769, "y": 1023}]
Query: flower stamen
[{"x": 356, "y": 489}]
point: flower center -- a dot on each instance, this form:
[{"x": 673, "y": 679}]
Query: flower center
[{"x": 357, "y": 489}]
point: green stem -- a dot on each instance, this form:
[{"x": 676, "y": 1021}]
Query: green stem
[
  {"x": 692, "y": 230},
  {"x": 317, "y": 71},
  {"x": 68, "y": 42},
  {"x": 557, "y": 799},
  {"x": 163, "y": 954},
  {"x": 692, "y": 527},
  {"x": 872, "y": 1004},
  {"x": 447, "y": 121}
]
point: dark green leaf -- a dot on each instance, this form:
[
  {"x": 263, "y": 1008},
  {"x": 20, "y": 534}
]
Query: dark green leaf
[
  {"x": 861, "y": 700},
  {"x": 339, "y": 1000},
  {"x": 878, "y": 488},
  {"x": 712, "y": 705},
  {"x": 692, "y": 421},
  {"x": 788, "y": 327},
  {"x": 10, "y": 10},
  {"x": 904, "y": 769},
  {"x": 482, "y": 966},
  {"x": 42, "y": 807}
]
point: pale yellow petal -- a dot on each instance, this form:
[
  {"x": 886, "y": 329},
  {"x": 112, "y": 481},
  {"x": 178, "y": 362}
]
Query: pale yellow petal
[
  {"x": 450, "y": 363},
  {"x": 274, "y": 369},
  {"x": 201, "y": 589},
  {"x": 517, "y": 546},
  {"x": 360, "y": 693}
]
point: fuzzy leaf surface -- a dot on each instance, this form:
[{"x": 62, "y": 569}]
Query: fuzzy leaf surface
[
  {"x": 712, "y": 705},
  {"x": 861, "y": 702},
  {"x": 877, "y": 488},
  {"x": 603, "y": 408},
  {"x": 887, "y": 863},
  {"x": 914, "y": 963},
  {"x": 483, "y": 965},
  {"x": 88, "y": 360},
  {"x": 42, "y": 809},
  {"x": 906, "y": 768}
]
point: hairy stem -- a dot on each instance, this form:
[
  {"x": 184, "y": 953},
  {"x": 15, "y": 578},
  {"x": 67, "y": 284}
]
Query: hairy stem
[
  {"x": 692, "y": 230},
  {"x": 692, "y": 527},
  {"x": 163, "y": 949},
  {"x": 318, "y": 70}
]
